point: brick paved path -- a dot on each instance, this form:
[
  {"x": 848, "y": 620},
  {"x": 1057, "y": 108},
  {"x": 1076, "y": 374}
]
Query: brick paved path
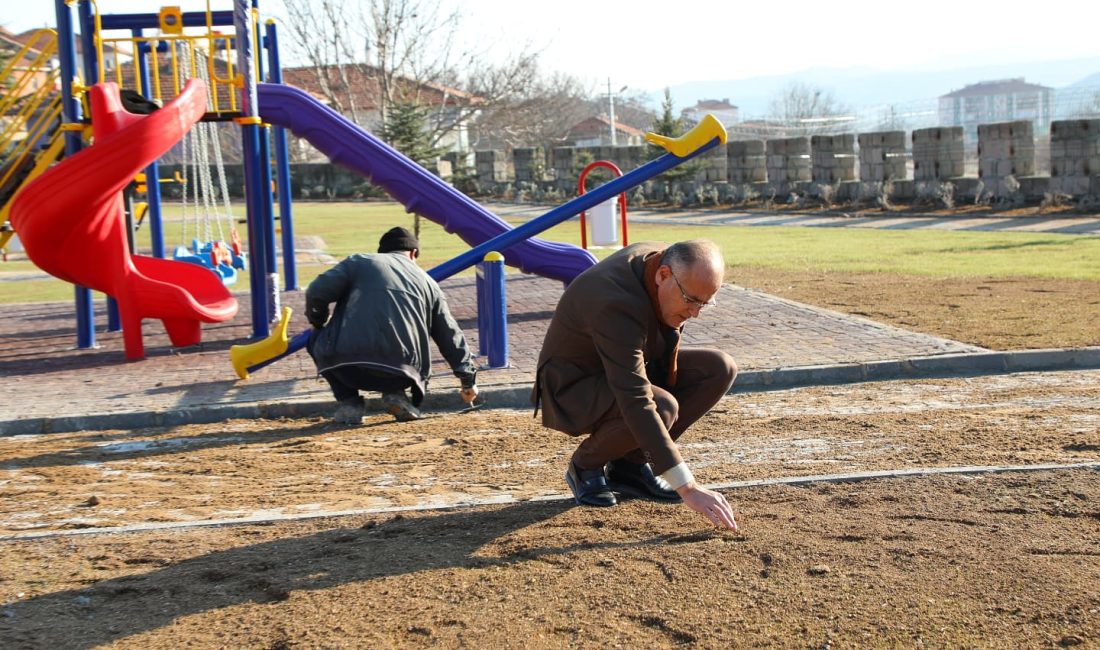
[{"x": 45, "y": 378}]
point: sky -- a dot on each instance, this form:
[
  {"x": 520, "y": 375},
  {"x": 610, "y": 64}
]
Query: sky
[{"x": 648, "y": 45}]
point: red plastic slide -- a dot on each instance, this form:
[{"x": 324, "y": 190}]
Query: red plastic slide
[{"x": 72, "y": 224}]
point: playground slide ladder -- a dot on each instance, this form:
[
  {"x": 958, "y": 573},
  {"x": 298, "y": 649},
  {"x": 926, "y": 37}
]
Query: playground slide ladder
[{"x": 30, "y": 111}]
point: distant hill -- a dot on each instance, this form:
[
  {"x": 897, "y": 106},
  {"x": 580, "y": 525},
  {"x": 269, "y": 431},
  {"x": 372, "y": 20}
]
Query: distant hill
[
  {"x": 1091, "y": 81},
  {"x": 864, "y": 87},
  {"x": 1079, "y": 99}
]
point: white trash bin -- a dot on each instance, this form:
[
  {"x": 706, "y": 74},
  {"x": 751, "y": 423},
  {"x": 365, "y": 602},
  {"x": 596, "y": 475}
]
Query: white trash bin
[{"x": 605, "y": 222}]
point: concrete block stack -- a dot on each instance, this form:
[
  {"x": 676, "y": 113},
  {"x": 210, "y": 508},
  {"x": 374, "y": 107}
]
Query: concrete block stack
[
  {"x": 1005, "y": 149},
  {"x": 833, "y": 158},
  {"x": 628, "y": 158},
  {"x": 562, "y": 162},
  {"x": 530, "y": 164},
  {"x": 938, "y": 153},
  {"x": 492, "y": 166},
  {"x": 715, "y": 166},
  {"x": 1075, "y": 157},
  {"x": 745, "y": 162},
  {"x": 788, "y": 162},
  {"x": 882, "y": 156}
]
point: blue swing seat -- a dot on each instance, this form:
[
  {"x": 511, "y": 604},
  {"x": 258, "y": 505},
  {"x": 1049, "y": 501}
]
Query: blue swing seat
[{"x": 200, "y": 254}]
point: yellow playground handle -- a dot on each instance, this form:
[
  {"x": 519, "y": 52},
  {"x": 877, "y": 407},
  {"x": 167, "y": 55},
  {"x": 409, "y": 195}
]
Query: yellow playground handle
[
  {"x": 250, "y": 354},
  {"x": 705, "y": 131}
]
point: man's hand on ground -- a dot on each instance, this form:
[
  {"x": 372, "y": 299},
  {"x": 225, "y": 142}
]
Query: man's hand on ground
[
  {"x": 317, "y": 315},
  {"x": 710, "y": 504}
]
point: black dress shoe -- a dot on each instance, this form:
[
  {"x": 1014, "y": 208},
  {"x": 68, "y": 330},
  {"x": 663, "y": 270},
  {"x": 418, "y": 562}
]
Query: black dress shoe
[
  {"x": 589, "y": 486},
  {"x": 639, "y": 481}
]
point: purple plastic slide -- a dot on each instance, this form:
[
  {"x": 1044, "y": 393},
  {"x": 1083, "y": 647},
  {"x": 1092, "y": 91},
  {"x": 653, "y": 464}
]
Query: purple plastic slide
[{"x": 416, "y": 188}]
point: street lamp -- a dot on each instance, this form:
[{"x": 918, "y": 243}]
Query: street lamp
[{"x": 611, "y": 104}]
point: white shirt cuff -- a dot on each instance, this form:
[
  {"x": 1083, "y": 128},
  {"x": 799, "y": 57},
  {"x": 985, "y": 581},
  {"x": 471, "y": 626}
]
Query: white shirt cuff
[{"x": 678, "y": 476}]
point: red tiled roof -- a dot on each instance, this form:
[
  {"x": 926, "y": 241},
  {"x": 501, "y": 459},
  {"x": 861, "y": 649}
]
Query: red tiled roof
[
  {"x": 366, "y": 89},
  {"x": 599, "y": 124}
]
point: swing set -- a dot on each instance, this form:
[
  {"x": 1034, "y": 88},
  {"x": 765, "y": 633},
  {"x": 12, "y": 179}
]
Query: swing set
[{"x": 205, "y": 207}]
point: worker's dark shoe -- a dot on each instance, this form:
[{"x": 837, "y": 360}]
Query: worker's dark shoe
[
  {"x": 399, "y": 406},
  {"x": 589, "y": 486},
  {"x": 639, "y": 481},
  {"x": 349, "y": 411}
]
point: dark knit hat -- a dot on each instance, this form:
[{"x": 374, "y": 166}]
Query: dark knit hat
[{"x": 397, "y": 239}]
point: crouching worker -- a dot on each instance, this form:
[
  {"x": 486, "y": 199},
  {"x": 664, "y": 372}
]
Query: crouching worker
[
  {"x": 611, "y": 368},
  {"x": 377, "y": 339}
]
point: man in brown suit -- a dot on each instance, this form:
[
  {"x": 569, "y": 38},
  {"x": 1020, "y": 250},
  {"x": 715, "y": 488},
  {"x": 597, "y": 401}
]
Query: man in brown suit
[{"x": 611, "y": 368}]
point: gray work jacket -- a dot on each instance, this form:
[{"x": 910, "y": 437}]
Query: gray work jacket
[{"x": 387, "y": 308}]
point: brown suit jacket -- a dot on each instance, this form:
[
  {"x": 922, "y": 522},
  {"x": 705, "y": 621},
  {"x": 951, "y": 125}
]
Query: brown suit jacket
[{"x": 603, "y": 334}]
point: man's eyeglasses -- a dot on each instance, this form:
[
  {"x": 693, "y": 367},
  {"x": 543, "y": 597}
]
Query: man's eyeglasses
[{"x": 689, "y": 300}]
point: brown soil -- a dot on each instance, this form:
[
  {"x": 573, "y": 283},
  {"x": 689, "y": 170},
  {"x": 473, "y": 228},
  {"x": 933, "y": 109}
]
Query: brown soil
[
  {"x": 996, "y": 313},
  {"x": 976, "y": 560}
]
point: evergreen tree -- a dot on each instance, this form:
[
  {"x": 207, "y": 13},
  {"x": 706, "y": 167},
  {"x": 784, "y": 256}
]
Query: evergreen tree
[
  {"x": 667, "y": 124},
  {"x": 406, "y": 130}
]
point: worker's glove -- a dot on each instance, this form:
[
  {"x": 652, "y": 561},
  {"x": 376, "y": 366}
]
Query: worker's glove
[{"x": 317, "y": 315}]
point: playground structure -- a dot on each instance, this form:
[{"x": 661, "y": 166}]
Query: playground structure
[
  {"x": 233, "y": 92},
  {"x": 161, "y": 68}
]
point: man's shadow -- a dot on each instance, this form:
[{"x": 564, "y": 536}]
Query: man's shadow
[{"x": 271, "y": 571}]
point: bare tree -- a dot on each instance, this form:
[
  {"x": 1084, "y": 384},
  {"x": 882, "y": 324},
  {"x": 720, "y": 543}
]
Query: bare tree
[
  {"x": 806, "y": 108},
  {"x": 402, "y": 51},
  {"x": 408, "y": 41},
  {"x": 540, "y": 113},
  {"x": 317, "y": 31}
]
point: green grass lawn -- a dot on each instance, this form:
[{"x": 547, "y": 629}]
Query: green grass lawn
[{"x": 346, "y": 228}]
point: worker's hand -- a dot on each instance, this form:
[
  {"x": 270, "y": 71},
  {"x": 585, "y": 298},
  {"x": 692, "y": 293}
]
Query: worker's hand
[
  {"x": 317, "y": 315},
  {"x": 468, "y": 394},
  {"x": 708, "y": 503}
]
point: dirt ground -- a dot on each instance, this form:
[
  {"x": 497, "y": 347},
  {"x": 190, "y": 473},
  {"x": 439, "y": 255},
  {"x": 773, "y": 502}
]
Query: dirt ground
[
  {"x": 455, "y": 531},
  {"x": 106, "y": 538},
  {"x": 995, "y": 313}
]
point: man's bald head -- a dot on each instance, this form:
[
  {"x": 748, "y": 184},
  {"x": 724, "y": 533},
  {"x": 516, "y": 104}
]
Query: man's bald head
[
  {"x": 696, "y": 255},
  {"x": 688, "y": 278}
]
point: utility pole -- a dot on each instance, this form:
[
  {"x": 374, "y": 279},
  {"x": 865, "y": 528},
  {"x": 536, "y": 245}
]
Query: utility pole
[{"x": 611, "y": 104}]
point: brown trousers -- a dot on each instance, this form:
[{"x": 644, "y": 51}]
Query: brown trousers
[{"x": 705, "y": 375}]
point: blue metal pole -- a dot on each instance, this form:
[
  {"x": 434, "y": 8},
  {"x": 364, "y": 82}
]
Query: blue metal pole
[
  {"x": 496, "y": 317},
  {"x": 268, "y": 200},
  {"x": 282, "y": 168},
  {"x": 152, "y": 21},
  {"x": 87, "y": 43},
  {"x": 86, "y": 20},
  {"x": 482, "y": 310},
  {"x": 152, "y": 172},
  {"x": 250, "y": 140},
  {"x": 565, "y": 211},
  {"x": 265, "y": 165},
  {"x": 71, "y": 114}
]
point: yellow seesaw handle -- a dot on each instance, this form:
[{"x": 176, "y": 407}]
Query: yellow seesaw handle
[
  {"x": 705, "y": 131},
  {"x": 250, "y": 354}
]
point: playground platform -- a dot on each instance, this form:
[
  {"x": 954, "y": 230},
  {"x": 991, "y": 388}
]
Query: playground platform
[{"x": 50, "y": 386}]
